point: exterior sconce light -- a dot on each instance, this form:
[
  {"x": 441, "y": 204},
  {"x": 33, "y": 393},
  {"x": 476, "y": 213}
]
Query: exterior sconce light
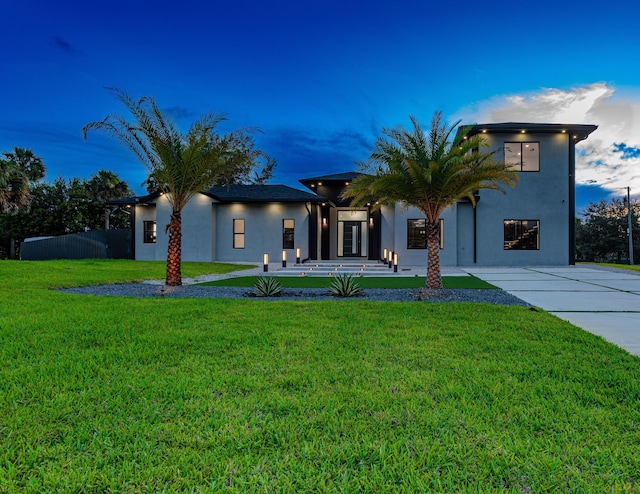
[
  {"x": 298, "y": 255},
  {"x": 284, "y": 258},
  {"x": 384, "y": 255},
  {"x": 390, "y": 259},
  {"x": 395, "y": 262},
  {"x": 324, "y": 221},
  {"x": 371, "y": 222},
  {"x": 265, "y": 262}
]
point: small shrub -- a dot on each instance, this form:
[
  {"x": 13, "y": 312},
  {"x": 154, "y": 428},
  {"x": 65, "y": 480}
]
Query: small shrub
[
  {"x": 345, "y": 286},
  {"x": 267, "y": 286}
]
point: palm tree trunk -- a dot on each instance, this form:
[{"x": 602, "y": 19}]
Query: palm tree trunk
[
  {"x": 434, "y": 278},
  {"x": 174, "y": 252}
]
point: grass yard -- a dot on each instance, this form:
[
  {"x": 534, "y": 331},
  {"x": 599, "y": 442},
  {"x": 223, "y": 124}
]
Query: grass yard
[
  {"x": 364, "y": 281},
  {"x": 102, "y": 394},
  {"x": 635, "y": 267}
]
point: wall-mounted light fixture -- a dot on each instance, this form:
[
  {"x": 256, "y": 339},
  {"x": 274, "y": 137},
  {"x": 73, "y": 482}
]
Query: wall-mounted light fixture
[
  {"x": 298, "y": 255},
  {"x": 284, "y": 258},
  {"x": 265, "y": 262},
  {"x": 395, "y": 262},
  {"x": 324, "y": 221}
]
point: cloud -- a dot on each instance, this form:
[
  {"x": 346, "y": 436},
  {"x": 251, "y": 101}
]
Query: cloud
[
  {"x": 610, "y": 157},
  {"x": 179, "y": 113},
  {"x": 303, "y": 153},
  {"x": 63, "y": 45}
]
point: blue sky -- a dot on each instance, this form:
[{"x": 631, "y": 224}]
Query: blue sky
[{"x": 320, "y": 78}]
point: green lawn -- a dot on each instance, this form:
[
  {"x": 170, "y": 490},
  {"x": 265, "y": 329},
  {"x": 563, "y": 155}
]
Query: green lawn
[
  {"x": 364, "y": 281},
  {"x": 635, "y": 267},
  {"x": 103, "y": 394}
]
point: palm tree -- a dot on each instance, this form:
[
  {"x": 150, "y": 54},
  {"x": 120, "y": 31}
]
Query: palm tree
[
  {"x": 181, "y": 165},
  {"x": 430, "y": 171},
  {"x": 18, "y": 170}
]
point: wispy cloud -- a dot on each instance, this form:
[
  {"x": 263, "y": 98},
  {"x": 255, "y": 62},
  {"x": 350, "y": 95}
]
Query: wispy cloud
[
  {"x": 305, "y": 153},
  {"x": 179, "y": 113},
  {"x": 610, "y": 157},
  {"x": 63, "y": 45}
]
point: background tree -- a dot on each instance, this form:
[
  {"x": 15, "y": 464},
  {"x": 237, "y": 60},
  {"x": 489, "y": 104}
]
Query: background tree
[
  {"x": 180, "y": 165},
  {"x": 66, "y": 206},
  {"x": 430, "y": 171},
  {"x": 102, "y": 186},
  {"x": 601, "y": 233},
  {"x": 18, "y": 170}
]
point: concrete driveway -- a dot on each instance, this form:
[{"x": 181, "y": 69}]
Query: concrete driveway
[{"x": 603, "y": 302}]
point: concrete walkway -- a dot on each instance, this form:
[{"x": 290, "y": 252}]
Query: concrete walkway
[{"x": 603, "y": 302}]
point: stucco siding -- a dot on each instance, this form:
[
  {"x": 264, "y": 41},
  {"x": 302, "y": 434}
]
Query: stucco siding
[
  {"x": 263, "y": 231},
  {"x": 144, "y": 251},
  {"x": 541, "y": 196}
]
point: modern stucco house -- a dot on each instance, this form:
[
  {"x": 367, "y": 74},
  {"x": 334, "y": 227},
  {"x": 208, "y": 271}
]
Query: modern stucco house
[{"x": 532, "y": 224}]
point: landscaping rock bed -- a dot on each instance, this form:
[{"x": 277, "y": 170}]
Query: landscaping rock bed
[{"x": 499, "y": 297}]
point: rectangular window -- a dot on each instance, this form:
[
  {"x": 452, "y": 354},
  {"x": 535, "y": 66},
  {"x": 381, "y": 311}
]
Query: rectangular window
[
  {"x": 288, "y": 227},
  {"x": 521, "y": 234},
  {"x": 523, "y": 156},
  {"x": 149, "y": 232},
  {"x": 238, "y": 234},
  {"x": 417, "y": 234}
]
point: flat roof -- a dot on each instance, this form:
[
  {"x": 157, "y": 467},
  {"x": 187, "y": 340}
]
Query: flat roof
[{"x": 579, "y": 132}]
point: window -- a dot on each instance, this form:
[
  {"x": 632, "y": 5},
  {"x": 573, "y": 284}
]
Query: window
[
  {"x": 287, "y": 234},
  {"x": 524, "y": 156},
  {"x": 149, "y": 232},
  {"x": 521, "y": 234},
  {"x": 417, "y": 234},
  {"x": 238, "y": 234}
]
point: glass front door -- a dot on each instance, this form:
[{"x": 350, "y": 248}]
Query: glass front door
[
  {"x": 352, "y": 233},
  {"x": 352, "y": 239}
]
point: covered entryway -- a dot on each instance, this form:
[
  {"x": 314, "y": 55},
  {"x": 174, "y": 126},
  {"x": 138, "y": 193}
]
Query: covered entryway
[
  {"x": 352, "y": 233},
  {"x": 338, "y": 231}
]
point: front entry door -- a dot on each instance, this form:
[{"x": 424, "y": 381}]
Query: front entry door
[
  {"x": 352, "y": 233},
  {"x": 352, "y": 239}
]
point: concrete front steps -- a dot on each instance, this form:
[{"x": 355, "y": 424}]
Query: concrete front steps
[{"x": 336, "y": 268}]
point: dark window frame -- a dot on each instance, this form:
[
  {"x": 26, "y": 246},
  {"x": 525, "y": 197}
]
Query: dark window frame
[
  {"x": 237, "y": 234},
  {"x": 520, "y": 233},
  {"x": 521, "y": 144},
  {"x": 420, "y": 244},
  {"x": 288, "y": 234},
  {"x": 149, "y": 231}
]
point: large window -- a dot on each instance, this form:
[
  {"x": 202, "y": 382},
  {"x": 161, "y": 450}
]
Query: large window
[
  {"x": 521, "y": 234},
  {"x": 288, "y": 228},
  {"x": 149, "y": 232},
  {"x": 238, "y": 234},
  {"x": 417, "y": 234},
  {"x": 523, "y": 156}
]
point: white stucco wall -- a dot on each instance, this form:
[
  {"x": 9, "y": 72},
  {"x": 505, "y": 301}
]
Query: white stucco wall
[
  {"x": 197, "y": 230},
  {"x": 144, "y": 252},
  {"x": 263, "y": 231},
  {"x": 542, "y": 196},
  {"x": 396, "y": 238}
]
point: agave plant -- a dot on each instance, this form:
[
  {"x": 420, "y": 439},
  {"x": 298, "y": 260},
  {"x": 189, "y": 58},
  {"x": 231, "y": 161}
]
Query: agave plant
[
  {"x": 345, "y": 285},
  {"x": 267, "y": 286}
]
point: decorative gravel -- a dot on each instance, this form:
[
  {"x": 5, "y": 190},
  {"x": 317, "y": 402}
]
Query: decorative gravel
[{"x": 498, "y": 297}]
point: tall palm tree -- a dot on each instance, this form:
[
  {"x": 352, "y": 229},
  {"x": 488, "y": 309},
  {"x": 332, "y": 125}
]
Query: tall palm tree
[
  {"x": 180, "y": 164},
  {"x": 430, "y": 171},
  {"x": 18, "y": 170}
]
